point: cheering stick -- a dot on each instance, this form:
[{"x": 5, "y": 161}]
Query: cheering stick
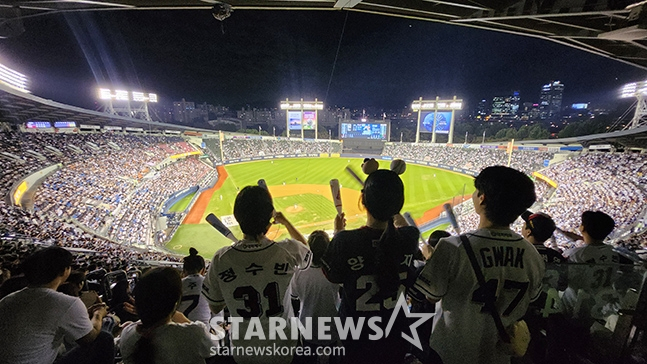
[
  {"x": 336, "y": 194},
  {"x": 452, "y": 218},
  {"x": 262, "y": 183},
  {"x": 407, "y": 216},
  {"x": 354, "y": 175},
  {"x": 214, "y": 221}
]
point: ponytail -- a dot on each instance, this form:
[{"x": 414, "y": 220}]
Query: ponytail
[
  {"x": 144, "y": 352},
  {"x": 388, "y": 276}
]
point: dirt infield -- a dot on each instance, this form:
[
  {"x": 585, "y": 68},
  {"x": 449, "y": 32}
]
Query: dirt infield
[
  {"x": 349, "y": 198},
  {"x": 195, "y": 215}
]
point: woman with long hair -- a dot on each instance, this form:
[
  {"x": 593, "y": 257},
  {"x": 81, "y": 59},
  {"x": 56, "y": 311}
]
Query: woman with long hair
[
  {"x": 163, "y": 335},
  {"x": 373, "y": 263}
]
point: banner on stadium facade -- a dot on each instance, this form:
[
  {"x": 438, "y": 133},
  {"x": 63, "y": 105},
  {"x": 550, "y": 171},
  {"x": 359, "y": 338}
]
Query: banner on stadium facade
[
  {"x": 184, "y": 155},
  {"x": 20, "y": 191},
  {"x": 545, "y": 179}
]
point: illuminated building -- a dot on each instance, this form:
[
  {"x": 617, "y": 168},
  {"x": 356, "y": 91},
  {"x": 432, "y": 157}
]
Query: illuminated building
[{"x": 550, "y": 101}]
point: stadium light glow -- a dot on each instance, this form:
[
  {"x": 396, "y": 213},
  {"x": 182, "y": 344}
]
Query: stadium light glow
[
  {"x": 309, "y": 105},
  {"x": 139, "y": 96},
  {"x": 634, "y": 89},
  {"x": 437, "y": 105},
  {"x": 13, "y": 78},
  {"x": 122, "y": 95}
]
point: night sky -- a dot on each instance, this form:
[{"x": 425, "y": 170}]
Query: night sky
[{"x": 266, "y": 56}]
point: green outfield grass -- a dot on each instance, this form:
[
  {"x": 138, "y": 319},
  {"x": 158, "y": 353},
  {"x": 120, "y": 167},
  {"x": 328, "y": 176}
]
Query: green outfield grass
[
  {"x": 425, "y": 188},
  {"x": 182, "y": 204}
]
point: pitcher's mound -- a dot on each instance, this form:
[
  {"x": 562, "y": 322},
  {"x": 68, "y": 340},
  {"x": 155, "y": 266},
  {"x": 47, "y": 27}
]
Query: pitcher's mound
[{"x": 294, "y": 209}]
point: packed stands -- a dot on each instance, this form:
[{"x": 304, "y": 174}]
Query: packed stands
[
  {"x": 612, "y": 183},
  {"x": 467, "y": 158},
  {"x": 237, "y": 148},
  {"x": 112, "y": 184}
]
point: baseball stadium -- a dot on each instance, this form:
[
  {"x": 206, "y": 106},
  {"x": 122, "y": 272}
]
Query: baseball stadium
[
  {"x": 301, "y": 190},
  {"x": 118, "y": 194}
]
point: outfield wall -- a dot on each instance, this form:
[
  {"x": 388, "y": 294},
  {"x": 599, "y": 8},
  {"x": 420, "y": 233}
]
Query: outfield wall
[
  {"x": 348, "y": 155},
  {"x": 177, "y": 197}
]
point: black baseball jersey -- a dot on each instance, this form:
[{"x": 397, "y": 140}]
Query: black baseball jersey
[{"x": 351, "y": 261}]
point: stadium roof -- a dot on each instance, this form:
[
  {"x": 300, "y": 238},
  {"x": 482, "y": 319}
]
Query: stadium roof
[
  {"x": 18, "y": 107},
  {"x": 615, "y": 29}
]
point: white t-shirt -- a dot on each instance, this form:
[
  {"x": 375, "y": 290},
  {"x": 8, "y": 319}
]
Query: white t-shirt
[
  {"x": 188, "y": 343},
  {"x": 194, "y": 306},
  {"x": 34, "y": 322},
  {"x": 462, "y": 333},
  {"x": 252, "y": 279},
  {"x": 319, "y": 298},
  {"x": 597, "y": 271}
]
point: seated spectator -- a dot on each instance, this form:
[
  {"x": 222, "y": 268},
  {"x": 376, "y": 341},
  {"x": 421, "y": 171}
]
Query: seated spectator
[
  {"x": 37, "y": 319},
  {"x": 163, "y": 335}
]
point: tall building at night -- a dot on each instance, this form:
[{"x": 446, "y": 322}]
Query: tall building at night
[
  {"x": 506, "y": 106},
  {"x": 482, "y": 109},
  {"x": 550, "y": 101}
]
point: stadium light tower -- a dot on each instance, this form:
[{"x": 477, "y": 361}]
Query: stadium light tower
[
  {"x": 132, "y": 104},
  {"x": 301, "y": 115},
  {"x": 639, "y": 91},
  {"x": 13, "y": 79},
  {"x": 435, "y": 119}
]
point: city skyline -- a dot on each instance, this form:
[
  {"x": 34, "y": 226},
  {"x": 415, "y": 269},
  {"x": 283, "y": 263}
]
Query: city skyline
[{"x": 264, "y": 57}]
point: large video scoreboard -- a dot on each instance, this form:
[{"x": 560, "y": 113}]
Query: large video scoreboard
[{"x": 358, "y": 130}]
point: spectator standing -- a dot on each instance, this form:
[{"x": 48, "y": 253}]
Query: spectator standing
[
  {"x": 463, "y": 331},
  {"x": 316, "y": 295},
  {"x": 373, "y": 263},
  {"x": 194, "y": 306},
  {"x": 251, "y": 277}
]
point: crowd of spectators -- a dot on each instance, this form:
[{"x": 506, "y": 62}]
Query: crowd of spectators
[
  {"x": 20, "y": 226},
  {"x": 246, "y": 148},
  {"x": 101, "y": 174},
  {"x": 594, "y": 181},
  {"x": 468, "y": 158},
  {"x": 132, "y": 223}
]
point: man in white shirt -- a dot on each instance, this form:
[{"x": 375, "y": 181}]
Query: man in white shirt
[
  {"x": 252, "y": 277},
  {"x": 37, "y": 319},
  {"x": 464, "y": 331},
  {"x": 598, "y": 264}
]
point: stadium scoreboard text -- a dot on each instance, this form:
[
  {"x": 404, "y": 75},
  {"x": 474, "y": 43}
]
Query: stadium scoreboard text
[{"x": 374, "y": 131}]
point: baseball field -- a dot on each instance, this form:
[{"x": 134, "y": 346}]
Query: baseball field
[{"x": 300, "y": 189}]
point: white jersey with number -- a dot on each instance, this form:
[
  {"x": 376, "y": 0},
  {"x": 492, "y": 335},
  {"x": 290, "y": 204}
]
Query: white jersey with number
[
  {"x": 194, "y": 306},
  {"x": 594, "y": 275},
  {"x": 252, "y": 279},
  {"x": 463, "y": 332}
]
